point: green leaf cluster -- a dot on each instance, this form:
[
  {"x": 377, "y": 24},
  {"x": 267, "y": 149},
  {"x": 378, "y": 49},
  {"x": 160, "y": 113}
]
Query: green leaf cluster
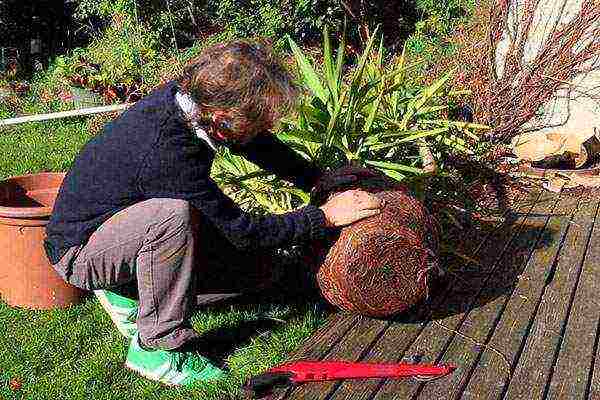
[
  {"x": 122, "y": 54},
  {"x": 374, "y": 115},
  {"x": 252, "y": 188}
]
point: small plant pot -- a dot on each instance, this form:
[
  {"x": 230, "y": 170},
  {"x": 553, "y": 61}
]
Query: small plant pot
[
  {"x": 26, "y": 277},
  {"x": 83, "y": 98}
]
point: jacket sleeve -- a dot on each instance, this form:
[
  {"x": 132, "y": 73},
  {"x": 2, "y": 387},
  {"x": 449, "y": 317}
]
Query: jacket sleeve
[
  {"x": 181, "y": 175},
  {"x": 273, "y": 155}
]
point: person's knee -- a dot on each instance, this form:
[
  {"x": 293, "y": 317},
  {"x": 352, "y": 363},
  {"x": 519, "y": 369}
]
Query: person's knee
[{"x": 176, "y": 212}]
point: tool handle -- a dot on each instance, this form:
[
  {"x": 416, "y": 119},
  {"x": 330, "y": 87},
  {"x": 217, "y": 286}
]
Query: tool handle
[
  {"x": 260, "y": 385},
  {"x": 310, "y": 371}
]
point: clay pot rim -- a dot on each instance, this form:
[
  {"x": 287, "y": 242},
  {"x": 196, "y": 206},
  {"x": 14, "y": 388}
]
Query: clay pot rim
[{"x": 29, "y": 212}]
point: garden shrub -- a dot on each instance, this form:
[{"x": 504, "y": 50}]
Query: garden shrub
[
  {"x": 431, "y": 38},
  {"x": 136, "y": 44},
  {"x": 123, "y": 62},
  {"x": 187, "y": 20},
  {"x": 116, "y": 62}
]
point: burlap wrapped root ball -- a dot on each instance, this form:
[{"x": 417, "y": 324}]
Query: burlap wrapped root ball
[{"x": 379, "y": 266}]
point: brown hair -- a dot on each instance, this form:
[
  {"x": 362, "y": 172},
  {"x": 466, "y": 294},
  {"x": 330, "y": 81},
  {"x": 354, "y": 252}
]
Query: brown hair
[{"x": 244, "y": 79}]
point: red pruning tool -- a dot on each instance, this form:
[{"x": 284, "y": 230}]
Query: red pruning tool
[{"x": 295, "y": 373}]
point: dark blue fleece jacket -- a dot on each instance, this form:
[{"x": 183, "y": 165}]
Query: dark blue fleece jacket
[{"x": 150, "y": 152}]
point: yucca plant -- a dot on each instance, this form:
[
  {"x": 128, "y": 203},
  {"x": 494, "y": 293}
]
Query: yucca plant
[{"x": 373, "y": 118}]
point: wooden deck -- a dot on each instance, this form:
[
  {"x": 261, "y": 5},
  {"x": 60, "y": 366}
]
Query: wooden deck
[{"x": 521, "y": 320}]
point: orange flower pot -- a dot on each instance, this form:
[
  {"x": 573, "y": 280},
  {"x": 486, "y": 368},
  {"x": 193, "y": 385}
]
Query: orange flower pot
[{"x": 26, "y": 277}]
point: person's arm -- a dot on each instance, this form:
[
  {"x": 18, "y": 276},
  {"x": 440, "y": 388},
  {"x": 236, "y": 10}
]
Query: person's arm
[
  {"x": 246, "y": 230},
  {"x": 180, "y": 174},
  {"x": 273, "y": 155}
]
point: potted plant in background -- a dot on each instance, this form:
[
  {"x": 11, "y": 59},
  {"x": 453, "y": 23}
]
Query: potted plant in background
[
  {"x": 113, "y": 67},
  {"x": 79, "y": 76}
]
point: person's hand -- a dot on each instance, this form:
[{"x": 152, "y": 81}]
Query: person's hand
[
  {"x": 350, "y": 206},
  {"x": 338, "y": 179}
]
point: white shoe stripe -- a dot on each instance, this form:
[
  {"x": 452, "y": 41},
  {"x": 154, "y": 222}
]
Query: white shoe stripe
[
  {"x": 118, "y": 315},
  {"x": 147, "y": 374},
  {"x": 163, "y": 371},
  {"x": 158, "y": 374},
  {"x": 170, "y": 376},
  {"x": 182, "y": 376},
  {"x": 111, "y": 308}
]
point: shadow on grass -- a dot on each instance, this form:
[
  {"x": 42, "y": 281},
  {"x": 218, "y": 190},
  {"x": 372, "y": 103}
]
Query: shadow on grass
[
  {"x": 292, "y": 297},
  {"x": 218, "y": 344}
]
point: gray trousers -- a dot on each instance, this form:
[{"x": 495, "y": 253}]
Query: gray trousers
[{"x": 164, "y": 248}]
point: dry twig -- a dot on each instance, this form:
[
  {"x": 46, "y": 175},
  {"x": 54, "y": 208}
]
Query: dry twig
[{"x": 512, "y": 80}]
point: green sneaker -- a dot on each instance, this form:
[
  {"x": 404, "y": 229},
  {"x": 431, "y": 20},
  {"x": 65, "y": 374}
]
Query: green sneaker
[
  {"x": 170, "y": 367},
  {"x": 122, "y": 311}
]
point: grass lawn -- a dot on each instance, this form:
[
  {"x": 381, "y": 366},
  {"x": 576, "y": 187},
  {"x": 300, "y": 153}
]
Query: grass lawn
[{"x": 77, "y": 353}]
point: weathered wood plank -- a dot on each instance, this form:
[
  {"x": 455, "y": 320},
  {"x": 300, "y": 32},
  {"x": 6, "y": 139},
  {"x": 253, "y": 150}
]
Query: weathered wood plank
[
  {"x": 538, "y": 357},
  {"x": 351, "y": 348},
  {"x": 594, "y": 385},
  {"x": 325, "y": 338},
  {"x": 392, "y": 346},
  {"x": 530, "y": 377},
  {"x": 511, "y": 315},
  {"x": 433, "y": 341},
  {"x": 576, "y": 355},
  {"x": 465, "y": 348}
]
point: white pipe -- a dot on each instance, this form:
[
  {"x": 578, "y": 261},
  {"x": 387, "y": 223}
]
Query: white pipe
[{"x": 64, "y": 114}]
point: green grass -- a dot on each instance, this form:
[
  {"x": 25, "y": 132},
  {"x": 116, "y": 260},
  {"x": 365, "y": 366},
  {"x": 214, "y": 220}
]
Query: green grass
[
  {"x": 37, "y": 147},
  {"x": 77, "y": 354}
]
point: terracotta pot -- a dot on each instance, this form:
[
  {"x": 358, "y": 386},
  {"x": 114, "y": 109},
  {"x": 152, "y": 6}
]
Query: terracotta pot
[{"x": 26, "y": 277}]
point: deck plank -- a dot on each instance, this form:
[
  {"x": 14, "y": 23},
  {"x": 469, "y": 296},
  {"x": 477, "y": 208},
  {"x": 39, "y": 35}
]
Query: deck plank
[
  {"x": 594, "y": 389},
  {"x": 393, "y": 345},
  {"x": 513, "y": 314},
  {"x": 479, "y": 323},
  {"x": 538, "y": 357},
  {"x": 338, "y": 325},
  {"x": 576, "y": 355},
  {"x": 433, "y": 341}
]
